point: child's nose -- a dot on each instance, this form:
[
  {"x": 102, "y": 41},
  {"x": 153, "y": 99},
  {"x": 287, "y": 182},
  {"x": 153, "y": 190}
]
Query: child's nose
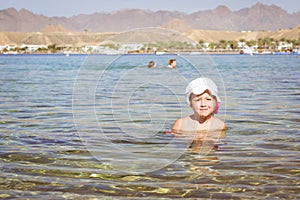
[{"x": 202, "y": 103}]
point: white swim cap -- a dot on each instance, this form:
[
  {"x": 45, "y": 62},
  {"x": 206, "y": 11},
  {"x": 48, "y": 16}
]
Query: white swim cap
[{"x": 199, "y": 85}]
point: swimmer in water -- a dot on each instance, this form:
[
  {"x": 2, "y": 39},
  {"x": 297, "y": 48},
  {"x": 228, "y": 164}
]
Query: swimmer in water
[
  {"x": 151, "y": 64},
  {"x": 202, "y": 97},
  {"x": 172, "y": 63}
]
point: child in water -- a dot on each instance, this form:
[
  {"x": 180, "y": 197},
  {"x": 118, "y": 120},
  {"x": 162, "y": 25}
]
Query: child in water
[{"x": 202, "y": 97}]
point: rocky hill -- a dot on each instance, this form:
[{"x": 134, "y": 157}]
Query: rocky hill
[
  {"x": 216, "y": 36},
  {"x": 146, "y": 35},
  {"x": 50, "y": 38},
  {"x": 255, "y": 18}
]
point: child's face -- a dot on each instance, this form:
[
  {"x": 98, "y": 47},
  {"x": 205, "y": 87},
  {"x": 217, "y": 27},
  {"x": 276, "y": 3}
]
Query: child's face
[{"x": 203, "y": 104}]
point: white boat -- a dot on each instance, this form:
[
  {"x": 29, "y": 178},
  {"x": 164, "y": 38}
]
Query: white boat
[{"x": 160, "y": 53}]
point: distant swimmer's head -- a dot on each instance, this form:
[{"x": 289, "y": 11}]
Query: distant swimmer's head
[
  {"x": 200, "y": 86},
  {"x": 172, "y": 63},
  {"x": 151, "y": 64}
]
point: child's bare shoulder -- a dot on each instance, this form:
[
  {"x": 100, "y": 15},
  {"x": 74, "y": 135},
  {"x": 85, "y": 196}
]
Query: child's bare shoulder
[
  {"x": 179, "y": 123},
  {"x": 218, "y": 123}
]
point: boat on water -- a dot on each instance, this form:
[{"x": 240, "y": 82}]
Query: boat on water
[{"x": 160, "y": 52}]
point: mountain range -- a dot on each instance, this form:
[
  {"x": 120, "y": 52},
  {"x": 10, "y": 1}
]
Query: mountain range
[{"x": 256, "y": 18}]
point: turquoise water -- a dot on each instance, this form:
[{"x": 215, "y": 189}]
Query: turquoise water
[{"x": 92, "y": 127}]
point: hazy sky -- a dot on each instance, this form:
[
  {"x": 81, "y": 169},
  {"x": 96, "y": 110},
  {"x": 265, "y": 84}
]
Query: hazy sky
[{"x": 73, "y": 7}]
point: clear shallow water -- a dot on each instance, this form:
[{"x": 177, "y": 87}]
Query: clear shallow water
[{"x": 43, "y": 155}]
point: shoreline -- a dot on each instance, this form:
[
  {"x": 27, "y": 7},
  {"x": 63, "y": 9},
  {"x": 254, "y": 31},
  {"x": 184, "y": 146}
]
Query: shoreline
[{"x": 179, "y": 53}]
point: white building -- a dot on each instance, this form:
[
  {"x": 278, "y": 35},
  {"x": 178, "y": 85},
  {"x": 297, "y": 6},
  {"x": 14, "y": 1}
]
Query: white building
[
  {"x": 87, "y": 49},
  {"x": 8, "y": 47},
  {"x": 284, "y": 46}
]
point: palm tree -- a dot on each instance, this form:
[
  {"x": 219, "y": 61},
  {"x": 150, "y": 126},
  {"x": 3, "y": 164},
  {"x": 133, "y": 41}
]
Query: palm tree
[
  {"x": 251, "y": 43},
  {"x": 223, "y": 44},
  {"x": 282, "y": 39},
  {"x": 212, "y": 45},
  {"x": 52, "y": 48},
  {"x": 275, "y": 43},
  {"x": 260, "y": 43},
  {"x": 267, "y": 42},
  {"x": 233, "y": 44},
  {"x": 201, "y": 44},
  {"x": 242, "y": 40}
]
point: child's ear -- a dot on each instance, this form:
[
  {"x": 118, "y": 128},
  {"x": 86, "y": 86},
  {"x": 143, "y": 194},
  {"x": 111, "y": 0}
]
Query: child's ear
[{"x": 217, "y": 107}]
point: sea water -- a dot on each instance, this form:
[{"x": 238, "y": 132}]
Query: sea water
[{"x": 93, "y": 126}]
